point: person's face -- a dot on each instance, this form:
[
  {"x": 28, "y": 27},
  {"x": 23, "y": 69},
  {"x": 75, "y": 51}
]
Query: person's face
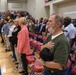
[
  {"x": 16, "y": 22},
  {"x": 51, "y": 24},
  {"x": 11, "y": 23},
  {"x": 5, "y": 21},
  {"x": 66, "y": 22},
  {"x": 20, "y": 23},
  {"x": 44, "y": 20},
  {"x": 2, "y": 20}
]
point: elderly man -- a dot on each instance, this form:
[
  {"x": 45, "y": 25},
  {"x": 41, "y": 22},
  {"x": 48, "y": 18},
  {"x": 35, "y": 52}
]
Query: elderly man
[{"x": 59, "y": 47}]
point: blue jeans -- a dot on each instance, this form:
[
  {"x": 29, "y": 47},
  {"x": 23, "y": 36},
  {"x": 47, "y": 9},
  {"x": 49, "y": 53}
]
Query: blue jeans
[{"x": 60, "y": 73}]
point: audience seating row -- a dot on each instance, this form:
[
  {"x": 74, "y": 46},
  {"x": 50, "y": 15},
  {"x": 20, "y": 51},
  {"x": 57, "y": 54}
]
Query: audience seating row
[
  {"x": 37, "y": 37},
  {"x": 31, "y": 58}
]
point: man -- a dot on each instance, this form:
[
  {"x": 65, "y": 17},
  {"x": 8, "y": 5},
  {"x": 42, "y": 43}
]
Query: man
[
  {"x": 69, "y": 31},
  {"x": 13, "y": 40},
  {"x": 11, "y": 29},
  {"x": 1, "y": 25},
  {"x": 5, "y": 32},
  {"x": 59, "y": 47},
  {"x": 43, "y": 25}
]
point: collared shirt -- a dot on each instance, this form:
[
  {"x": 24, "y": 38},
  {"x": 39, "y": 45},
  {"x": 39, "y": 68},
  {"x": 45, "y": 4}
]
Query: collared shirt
[
  {"x": 60, "y": 50},
  {"x": 11, "y": 28},
  {"x": 71, "y": 31},
  {"x": 53, "y": 37},
  {"x": 23, "y": 45},
  {"x": 6, "y": 29}
]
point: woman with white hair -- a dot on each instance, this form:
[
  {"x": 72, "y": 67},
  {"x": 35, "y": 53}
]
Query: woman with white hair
[{"x": 23, "y": 44}]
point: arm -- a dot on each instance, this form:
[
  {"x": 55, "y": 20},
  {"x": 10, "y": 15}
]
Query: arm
[
  {"x": 51, "y": 64},
  {"x": 72, "y": 36},
  {"x": 71, "y": 42},
  {"x": 48, "y": 45},
  {"x": 60, "y": 57}
]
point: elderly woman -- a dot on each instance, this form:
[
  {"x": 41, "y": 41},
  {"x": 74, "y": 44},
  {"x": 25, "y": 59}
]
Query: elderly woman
[{"x": 23, "y": 44}]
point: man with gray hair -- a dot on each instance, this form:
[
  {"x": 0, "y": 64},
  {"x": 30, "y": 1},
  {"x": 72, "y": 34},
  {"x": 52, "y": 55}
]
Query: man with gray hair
[{"x": 58, "y": 46}]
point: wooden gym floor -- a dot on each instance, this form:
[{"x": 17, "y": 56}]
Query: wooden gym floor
[{"x": 6, "y": 63}]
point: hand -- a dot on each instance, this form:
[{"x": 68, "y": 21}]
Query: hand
[
  {"x": 15, "y": 45},
  {"x": 39, "y": 62},
  {"x": 49, "y": 45},
  {"x": 43, "y": 24},
  {"x": 15, "y": 30}
]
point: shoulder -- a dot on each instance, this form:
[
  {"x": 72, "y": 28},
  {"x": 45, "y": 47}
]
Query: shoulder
[
  {"x": 24, "y": 30},
  {"x": 18, "y": 26},
  {"x": 61, "y": 43},
  {"x": 61, "y": 39},
  {"x": 14, "y": 26},
  {"x": 71, "y": 27}
]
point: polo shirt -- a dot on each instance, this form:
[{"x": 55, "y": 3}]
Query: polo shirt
[{"x": 60, "y": 50}]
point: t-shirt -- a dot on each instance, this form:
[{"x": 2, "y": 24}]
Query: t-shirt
[{"x": 60, "y": 50}]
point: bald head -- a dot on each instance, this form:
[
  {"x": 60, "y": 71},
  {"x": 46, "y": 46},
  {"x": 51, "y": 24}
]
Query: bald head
[{"x": 67, "y": 21}]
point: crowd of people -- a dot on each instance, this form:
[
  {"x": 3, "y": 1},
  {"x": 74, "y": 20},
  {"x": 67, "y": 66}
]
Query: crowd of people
[{"x": 61, "y": 40}]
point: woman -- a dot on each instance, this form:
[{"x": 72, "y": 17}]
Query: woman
[{"x": 23, "y": 44}]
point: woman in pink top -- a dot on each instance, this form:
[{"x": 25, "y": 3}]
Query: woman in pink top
[{"x": 23, "y": 45}]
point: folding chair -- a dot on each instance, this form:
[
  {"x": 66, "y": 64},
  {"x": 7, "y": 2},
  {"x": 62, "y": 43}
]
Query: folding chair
[
  {"x": 69, "y": 66},
  {"x": 39, "y": 38},
  {"x": 38, "y": 46},
  {"x": 35, "y": 68}
]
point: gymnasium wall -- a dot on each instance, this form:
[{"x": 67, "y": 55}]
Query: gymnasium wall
[
  {"x": 68, "y": 9},
  {"x": 17, "y": 5},
  {"x": 31, "y": 7}
]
